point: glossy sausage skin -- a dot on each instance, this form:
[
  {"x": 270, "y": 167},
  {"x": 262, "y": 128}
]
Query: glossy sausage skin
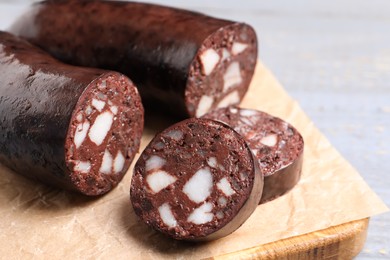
[
  {"x": 185, "y": 62},
  {"x": 50, "y": 113}
]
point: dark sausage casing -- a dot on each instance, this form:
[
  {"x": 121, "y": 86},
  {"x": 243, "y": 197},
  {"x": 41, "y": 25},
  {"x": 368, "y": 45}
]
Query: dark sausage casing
[
  {"x": 197, "y": 180},
  {"x": 276, "y": 144},
  {"x": 183, "y": 61},
  {"x": 70, "y": 127}
]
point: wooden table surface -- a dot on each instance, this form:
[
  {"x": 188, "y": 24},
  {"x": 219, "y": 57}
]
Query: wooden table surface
[{"x": 334, "y": 58}]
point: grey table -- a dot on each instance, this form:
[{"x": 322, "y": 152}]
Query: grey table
[{"x": 334, "y": 58}]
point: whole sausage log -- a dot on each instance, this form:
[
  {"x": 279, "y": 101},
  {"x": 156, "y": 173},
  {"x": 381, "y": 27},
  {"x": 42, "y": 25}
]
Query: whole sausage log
[
  {"x": 71, "y": 127},
  {"x": 196, "y": 180},
  {"x": 277, "y": 145},
  {"x": 183, "y": 61}
]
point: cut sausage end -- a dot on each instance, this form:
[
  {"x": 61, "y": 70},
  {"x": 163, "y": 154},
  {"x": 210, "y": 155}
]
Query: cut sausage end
[
  {"x": 105, "y": 131},
  {"x": 223, "y": 65},
  {"x": 203, "y": 200}
]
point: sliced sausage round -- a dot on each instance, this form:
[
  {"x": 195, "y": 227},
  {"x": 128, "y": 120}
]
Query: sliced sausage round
[
  {"x": 183, "y": 61},
  {"x": 196, "y": 180},
  {"x": 71, "y": 127},
  {"x": 277, "y": 145}
]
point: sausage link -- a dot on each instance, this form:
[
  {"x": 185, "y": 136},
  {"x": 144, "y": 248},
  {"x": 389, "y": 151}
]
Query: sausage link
[
  {"x": 185, "y": 62},
  {"x": 71, "y": 127}
]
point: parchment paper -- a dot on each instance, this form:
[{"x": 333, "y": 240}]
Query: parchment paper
[{"x": 41, "y": 222}]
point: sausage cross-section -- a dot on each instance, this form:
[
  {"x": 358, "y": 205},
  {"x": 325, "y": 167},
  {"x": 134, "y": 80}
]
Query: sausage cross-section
[
  {"x": 71, "y": 127},
  {"x": 277, "y": 145},
  {"x": 186, "y": 62},
  {"x": 196, "y": 180}
]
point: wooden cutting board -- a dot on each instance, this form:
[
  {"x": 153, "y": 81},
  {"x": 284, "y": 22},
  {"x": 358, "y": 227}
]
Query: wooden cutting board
[{"x": 339, "y": 242}]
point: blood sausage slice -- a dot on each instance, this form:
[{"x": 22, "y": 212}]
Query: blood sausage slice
[
  {"x": 196, "y": 180},
  {"x": 277, "y": 145}
]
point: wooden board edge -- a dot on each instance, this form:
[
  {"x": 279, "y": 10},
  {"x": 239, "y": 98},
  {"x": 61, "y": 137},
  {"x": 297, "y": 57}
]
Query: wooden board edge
[{"x": 343, "y": 241}]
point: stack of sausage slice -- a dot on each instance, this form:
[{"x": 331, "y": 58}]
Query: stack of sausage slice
[{"x": 193, "y": 182}]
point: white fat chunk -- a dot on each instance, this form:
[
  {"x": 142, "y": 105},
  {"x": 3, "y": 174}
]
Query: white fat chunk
[
  {"x": 225, "y": 187},
  {"x": 167, "y": 216},
  {"x": 88, "y": 110},
  {"x": 199, "y": 186},
  {"x": 202, "y": 214},
  {"x": 232, "y": 76},
  {"x": 159, "y": 146},
  {"x": 106, "y": 163},
  {"x": 250, "y": 134},
  {"x": 220, "y": 166},
  {"x": 204, "y": 105},
  {"x": 79, "y": 117},
  {"x": 238, "y": 47},
  {"x": 119, "y": 162},
  {"x": 233, "y": 110},
  {"x": 83, "y": 167},
  {"x": 154, "y": 163},
  {"x": 80, "y": 134},
  {"x": 98, "y": 104},
  {"x": 175, "y": 134},
  {"x": 209, "y": 60},
  {"x": 246, "y": 120},
  {"x": 159, "y": 180},
  {"x": 232, "y": 98},
  {"x": 255, "y": 151},
  {"x": 219, "y": 214},
  {"x": 248, "y": 112},
  {"x": 114, "y": 109},
  {"x": 212, "y": 162},
  {"x": 269, "y": 140},
  {"x": 222, "y": 201},
  {"x": 102, "y": 85},
  {"x": 100, "y": 127},
  {"x": 225, "y": 54},
  {"x": 243, "y": 176}
]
